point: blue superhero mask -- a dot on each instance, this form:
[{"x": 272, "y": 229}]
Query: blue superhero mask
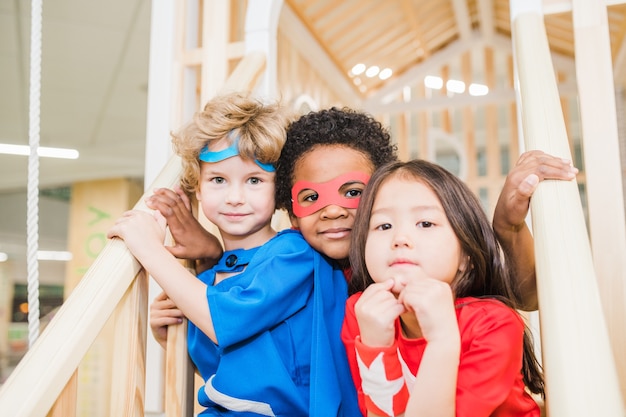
[{"x": 209, "y": 156}]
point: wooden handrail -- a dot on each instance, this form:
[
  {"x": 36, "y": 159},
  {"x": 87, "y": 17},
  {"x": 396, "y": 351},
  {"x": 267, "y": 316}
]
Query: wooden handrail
[
  {"x": 36, "y": 382},
  {"x": 579, "y": 368}
]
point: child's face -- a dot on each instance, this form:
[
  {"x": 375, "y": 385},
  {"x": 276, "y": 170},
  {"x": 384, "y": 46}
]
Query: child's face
[
  {"x": 238, "y": 197},
  {"x": 329, "y": 228},
  {"x": 409, "y": 236}
]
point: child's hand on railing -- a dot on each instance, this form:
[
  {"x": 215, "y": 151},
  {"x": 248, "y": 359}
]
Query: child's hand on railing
[
  {"x": 163, "y": 313},
  {"x": 522, "y": 181}
]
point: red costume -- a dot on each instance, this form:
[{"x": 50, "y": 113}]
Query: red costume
[{"x": 489, "y": 381}]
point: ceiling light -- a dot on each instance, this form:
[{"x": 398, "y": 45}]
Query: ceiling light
[
  {"x": 372, "y": 71},
  {"x": 384, "y": 74},
  {"x": 358, "y": 69},
  {"x": 436, "y": 83},
  {"x": 455, "y": 86},
  {"x": 3, "y": 257},
  {"x": 478, "y": 89},
  {"x": 42, "y": 151}
]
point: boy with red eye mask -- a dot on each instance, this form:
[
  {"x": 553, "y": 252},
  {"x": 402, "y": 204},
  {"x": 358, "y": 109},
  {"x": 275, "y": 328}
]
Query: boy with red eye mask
[
  {"x": 310, "y": 197},
  {"x": 325, "y": 145}
]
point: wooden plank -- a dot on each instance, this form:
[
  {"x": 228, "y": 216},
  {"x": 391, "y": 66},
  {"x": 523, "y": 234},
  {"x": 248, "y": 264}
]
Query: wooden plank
[
  {"x": 575, "y": 341},
  {"x": 65, "y": 405},
  {"x": 129, "y": 356},
  {"x": 469, "y": 127},
  {"x": 462, "y": 16},
  {"x": 246, "y": 74},
  {"x": 215, "y": 38},
  {"x": 179, "y": 392},
  {"x": 514, "y": 145},
  {"x": 602, "y": 164},
  {"x": 492, "y": 142}
]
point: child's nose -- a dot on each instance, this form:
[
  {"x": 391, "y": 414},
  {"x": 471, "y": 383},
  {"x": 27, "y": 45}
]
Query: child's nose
[
  {"x": 235, "y": 195},
  {"x": 333, "y": 211},
  {"x": 401, "y": 239}
]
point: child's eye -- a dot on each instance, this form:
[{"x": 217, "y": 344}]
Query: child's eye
[
  {"x": 310, "y": 198},
  {"x": 218, "y": 180},
  {"x": 384, "y": 226},
  {"x": 254, "y": 181},
  {"x": 354, "y": 193},
  {"x": 425, "y": 224}
]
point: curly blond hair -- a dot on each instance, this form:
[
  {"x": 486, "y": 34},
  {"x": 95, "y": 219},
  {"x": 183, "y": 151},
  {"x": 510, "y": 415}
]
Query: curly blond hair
[{"x": 259, "y": 127}]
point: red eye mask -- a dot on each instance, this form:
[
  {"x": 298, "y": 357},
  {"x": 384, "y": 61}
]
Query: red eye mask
[{"x": 328, "y": 193}]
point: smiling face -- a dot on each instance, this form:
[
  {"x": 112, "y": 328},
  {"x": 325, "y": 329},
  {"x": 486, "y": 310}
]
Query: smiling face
[
  {"x": 409, "y": 234},
  {"x": 237, "y": 195},
  {"x": 328, "y": 229}
]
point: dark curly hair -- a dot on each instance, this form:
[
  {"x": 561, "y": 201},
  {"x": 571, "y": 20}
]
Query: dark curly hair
[{"x": 333, "y": 126}]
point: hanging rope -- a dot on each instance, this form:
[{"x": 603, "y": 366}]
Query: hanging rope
[{"x": 32, "y": 221}]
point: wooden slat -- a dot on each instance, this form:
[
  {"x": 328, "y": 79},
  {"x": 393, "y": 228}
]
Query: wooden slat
[
  {"x": 129, "y": 355},
  {"x": 65, "y": 405},
  {"x": 604, "y": 176},
  {"x": 577, "y": 359},
  {"x": 179, "y": 392}
]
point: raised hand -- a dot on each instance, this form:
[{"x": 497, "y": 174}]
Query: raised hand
[
  {"x": 191, "y": 240},
  {"x": 376, "y": 312},
  {"x": 522, "y": 181},
  {"x": 511, "y": 211}
]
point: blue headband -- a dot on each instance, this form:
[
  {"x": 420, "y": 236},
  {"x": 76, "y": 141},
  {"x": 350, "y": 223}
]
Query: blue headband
[{"x": 209, "y": 156}]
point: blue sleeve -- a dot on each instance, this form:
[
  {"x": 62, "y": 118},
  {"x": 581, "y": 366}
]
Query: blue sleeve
[{"x": 275, "y": 285}]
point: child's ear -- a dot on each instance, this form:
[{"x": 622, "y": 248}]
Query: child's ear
[
  {"x": 465, "y": 264},
  {"x": 295, "y": 222}
]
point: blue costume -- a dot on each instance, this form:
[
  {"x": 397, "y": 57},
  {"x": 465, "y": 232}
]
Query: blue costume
[{"x": 278, "y": 324}]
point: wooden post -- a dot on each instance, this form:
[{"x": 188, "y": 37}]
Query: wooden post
[
  {"x": 93, "y": 209},
  {"x": 607, "y": 225},
  {"x": 580, "y": 372}
]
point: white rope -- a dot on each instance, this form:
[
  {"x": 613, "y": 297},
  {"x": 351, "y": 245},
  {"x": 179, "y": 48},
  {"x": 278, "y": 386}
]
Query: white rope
[{"x": 32, "y": 221}]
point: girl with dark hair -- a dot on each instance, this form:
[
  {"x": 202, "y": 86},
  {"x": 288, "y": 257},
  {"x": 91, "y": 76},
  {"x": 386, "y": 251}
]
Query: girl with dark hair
[{"x": 431, "y": 326}]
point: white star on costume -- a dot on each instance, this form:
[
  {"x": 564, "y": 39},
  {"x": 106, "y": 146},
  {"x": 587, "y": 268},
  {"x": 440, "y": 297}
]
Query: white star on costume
[
  {"x": 406, "y": 372},
  {"x": 375, "y": 384}
]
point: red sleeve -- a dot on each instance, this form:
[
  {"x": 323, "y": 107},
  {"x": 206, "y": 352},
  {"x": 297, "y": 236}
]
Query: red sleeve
[
  {"x": 349, "y": 332},
  {"x": 491, "y": 357}
]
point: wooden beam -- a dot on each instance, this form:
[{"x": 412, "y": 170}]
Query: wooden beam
[
  {"x": 318, "y": 58},
  {"x": 487, "y": 24},
  {"x": 416, "y": 29},
  {"x": 602, "y": 164},
  {"x": 215, "y": 37},
  {"x": 564, "y": 6},
  {"x": 462, "y": 17},
  {"x": 619, "y": 56},
  {"x": 501, "y": 96},
  {"x": 575, "y": 341}
]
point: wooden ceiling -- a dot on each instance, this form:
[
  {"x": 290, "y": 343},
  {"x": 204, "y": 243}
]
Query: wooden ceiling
[{"x": 402, "y": 34}]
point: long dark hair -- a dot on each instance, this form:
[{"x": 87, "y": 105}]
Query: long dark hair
[{"x": 487, "y": 278}]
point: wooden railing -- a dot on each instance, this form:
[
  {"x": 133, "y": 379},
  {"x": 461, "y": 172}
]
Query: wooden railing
[
  {"x": 581, "y": 378},
  {"x": 114, "y": 282}
]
